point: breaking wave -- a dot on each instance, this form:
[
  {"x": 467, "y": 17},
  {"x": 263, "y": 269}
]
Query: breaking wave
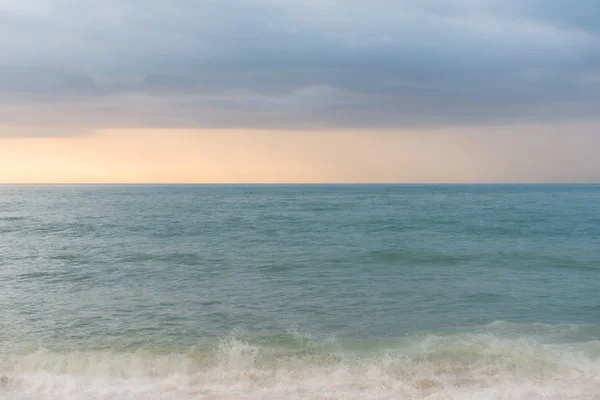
[{"x": 458, "y": 366}]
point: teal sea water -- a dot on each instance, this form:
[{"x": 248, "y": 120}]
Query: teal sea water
[{"x": 300, "y": 292}]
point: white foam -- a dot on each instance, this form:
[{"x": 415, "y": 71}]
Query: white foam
[{"x": 431, "y": 367}]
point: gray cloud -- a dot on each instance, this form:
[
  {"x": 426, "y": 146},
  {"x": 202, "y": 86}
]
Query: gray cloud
[{"x": 297, "y": 64}]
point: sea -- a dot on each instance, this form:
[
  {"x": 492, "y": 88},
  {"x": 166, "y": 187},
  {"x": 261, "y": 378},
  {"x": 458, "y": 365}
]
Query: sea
[{"x": 176, "y": 292}]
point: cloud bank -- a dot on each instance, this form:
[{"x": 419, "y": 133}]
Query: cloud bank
[{"x": 69, "y": 67}]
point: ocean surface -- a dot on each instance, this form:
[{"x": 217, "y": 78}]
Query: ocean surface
[{"x": 300, "y": 292}]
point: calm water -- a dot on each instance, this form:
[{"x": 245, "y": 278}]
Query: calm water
[{"x": 300, "y": 292}]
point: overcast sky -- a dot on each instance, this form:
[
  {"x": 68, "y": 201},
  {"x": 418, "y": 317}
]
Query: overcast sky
[
  {"x": 70, "y": 68},
  {"x": 292, "y": 64}
]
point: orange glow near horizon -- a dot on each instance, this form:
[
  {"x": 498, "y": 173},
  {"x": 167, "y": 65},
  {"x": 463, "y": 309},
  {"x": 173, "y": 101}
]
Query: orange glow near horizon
[{"x": 245, "y": 156}]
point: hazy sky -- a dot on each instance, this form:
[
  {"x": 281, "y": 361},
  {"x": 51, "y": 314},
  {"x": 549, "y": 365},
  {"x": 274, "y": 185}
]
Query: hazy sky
[{"x": 300, "y": 91}]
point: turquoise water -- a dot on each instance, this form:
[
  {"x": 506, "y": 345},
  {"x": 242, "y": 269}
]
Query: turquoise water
[{"x": 300, "y": 292}]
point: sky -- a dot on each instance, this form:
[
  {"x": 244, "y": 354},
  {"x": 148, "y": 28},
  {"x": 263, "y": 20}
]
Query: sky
[{"x": 209, "y": 91}]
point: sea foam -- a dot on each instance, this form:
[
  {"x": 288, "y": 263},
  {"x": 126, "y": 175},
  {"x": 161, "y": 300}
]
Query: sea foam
[{"x": 431, "y": 367}]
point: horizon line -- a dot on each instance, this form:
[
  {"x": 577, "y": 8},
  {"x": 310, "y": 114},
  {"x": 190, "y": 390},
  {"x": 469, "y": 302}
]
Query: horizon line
[{"x": 287, "y": 183}]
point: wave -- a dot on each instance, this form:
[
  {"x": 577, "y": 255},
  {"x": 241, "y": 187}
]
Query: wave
[
  {"x": 420, "y": 257},
  {"x": 516, "y": 260},
  {"x": 459, "y": 366}
]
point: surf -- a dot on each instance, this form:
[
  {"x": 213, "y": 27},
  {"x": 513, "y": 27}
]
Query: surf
[{"x": 458, "y": 366}]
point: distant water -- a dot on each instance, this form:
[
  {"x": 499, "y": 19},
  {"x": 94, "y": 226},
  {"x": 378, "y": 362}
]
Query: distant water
[{"x": 299, "y": 292}]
